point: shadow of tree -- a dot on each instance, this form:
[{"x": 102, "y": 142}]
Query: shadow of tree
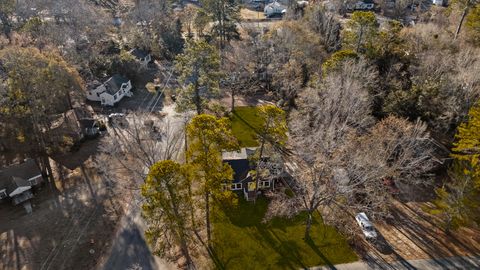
[{"x": 62, "y": 228}]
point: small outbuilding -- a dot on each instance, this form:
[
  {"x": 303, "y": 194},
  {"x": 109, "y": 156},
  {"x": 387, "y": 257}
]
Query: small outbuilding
[{"x": 141, "y": 56}]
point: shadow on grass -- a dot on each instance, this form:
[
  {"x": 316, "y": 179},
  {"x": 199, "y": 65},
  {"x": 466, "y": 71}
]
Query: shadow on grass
[
  {"x": 280, "y": 148},
  {"x": 243, "y": 239},
  {"x": 288, "y": 250},
  {"x": 283, "y": 224},
  {"x": 314, "y": 247},
  {"x": 216, "y": 260},
  {"x": 247, "y": 214}
]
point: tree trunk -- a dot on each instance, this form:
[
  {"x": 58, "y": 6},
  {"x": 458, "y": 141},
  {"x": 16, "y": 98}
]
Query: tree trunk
[
  {"x": 207, "y": 217},
  {"x": 233, "y": 101},
  {"x": 309, "y": 225},
  {"x": 7, "y": 26},
  {"x": 257, "y": 176},
  {"x": 186, "y": 254},
  {"x": 185, "y": 137},
  {"x": 459, "y": 27},
  {"x": 198, "y": 101},
  {"x": 359, "y": 42}
]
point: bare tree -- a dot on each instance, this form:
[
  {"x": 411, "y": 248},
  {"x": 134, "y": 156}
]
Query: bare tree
[
  {"x": 336, "y": 105},
  {"x": 444, "y": 87},
  {"x": 344, "y": 159},
  {"x": 133, "y": 146},
  {"x": 325, "y": 23}
]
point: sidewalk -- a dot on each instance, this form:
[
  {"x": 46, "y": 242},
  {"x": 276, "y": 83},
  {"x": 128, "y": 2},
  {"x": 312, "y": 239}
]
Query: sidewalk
[{"x": 428, "y": 264}]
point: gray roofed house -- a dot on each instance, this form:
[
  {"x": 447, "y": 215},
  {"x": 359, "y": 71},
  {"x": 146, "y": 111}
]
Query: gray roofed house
[
  {"x": 242, "y": 180},
  {"x": 112, "y": 91},
  {"x": 114, "y": 83},
  {"x": 27, "y": 170},
  {"x": 17, "y": 180},
  {"x": 19, "y": 190}
]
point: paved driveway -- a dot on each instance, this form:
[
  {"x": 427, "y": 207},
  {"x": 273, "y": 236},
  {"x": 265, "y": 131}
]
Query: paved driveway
[
  {"x": 429, "y": 264},
  {"x": 130, "y": 249}
]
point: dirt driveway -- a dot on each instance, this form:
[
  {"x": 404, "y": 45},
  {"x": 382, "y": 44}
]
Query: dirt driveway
[
  {"x": 414, "y": 234},
  {"x": 70, "y": 226}
]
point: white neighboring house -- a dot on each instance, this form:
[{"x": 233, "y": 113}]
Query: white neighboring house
[
  {"x": 111, "y": 91},
  {"x": 438, "y": 2},
  {"x": 362, "y": 5},
  {"x": 274, "y": 9},
  {"x": 141, "y": 56}
]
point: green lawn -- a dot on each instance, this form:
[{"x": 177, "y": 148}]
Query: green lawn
[
  {"x": 244, "y": 122},
  {"x": 242, "y": 241}
]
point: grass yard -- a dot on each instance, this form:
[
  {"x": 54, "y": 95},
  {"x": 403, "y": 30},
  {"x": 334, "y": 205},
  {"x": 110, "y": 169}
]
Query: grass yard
[
  {"x": 248, "y": 14},
  {"x": 242, "y": 241},
  {"x": 244, "y": 122}
]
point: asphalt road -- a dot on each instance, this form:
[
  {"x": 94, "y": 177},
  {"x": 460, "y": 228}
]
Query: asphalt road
[
  {"x": 130, "y": 250},
  {"x": 459, "y": 263}
]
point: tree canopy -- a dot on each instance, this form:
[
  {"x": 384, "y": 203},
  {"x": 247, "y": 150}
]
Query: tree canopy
[
  {"x": 168, "y": 209},
  {"x": 207, "y": 138},
  {"x": 199, "y": 73},
  {"x": 37, "y": 87}
]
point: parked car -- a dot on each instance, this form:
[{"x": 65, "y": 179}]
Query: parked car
[
  {"x": 117, "y": 119},
  {"x": 366, "y": 226}
]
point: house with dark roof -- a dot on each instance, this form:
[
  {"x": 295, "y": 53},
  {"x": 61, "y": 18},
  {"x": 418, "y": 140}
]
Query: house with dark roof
[
  {"x": 242, "y": 178},
  {"x": 112, "y": 91},
  {"x": 141, "y": 56},
  {"x": 77, "y": 123},
  {"x": 16, "y": 181}
]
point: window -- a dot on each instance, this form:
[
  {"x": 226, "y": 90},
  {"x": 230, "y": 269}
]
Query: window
[
  {"x": 98, "y": 94},
  {"x": 115, "y": 96},
  {"x": 265, "y": 183},
  {"x": 224, "y": 187},
  {"x": 236, "y": 186},
  {"x": 32, "y": 182}
]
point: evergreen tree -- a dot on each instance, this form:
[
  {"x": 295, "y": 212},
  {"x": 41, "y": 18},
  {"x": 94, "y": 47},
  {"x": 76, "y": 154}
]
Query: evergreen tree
[
  {"x": 458, "y": 201},
  {"x": 7, "y": 8},
  {"x": 208, "y": 137},
  {"x": 465, "y": 6},
  {"x": 199, "y": 73},
  {"x": 225, "y": 15},
  {"x": 361, "y": 31},
  {"x": 473, "y": 25},
  {"x": 467, "y": 147},
  {"x": 273, "y": 131},
  {"x": 168, "y": 210},
  {"x": 37, "y": 89}
]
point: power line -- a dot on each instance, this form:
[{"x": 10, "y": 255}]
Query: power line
[{"x": 162, "y": 92}]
